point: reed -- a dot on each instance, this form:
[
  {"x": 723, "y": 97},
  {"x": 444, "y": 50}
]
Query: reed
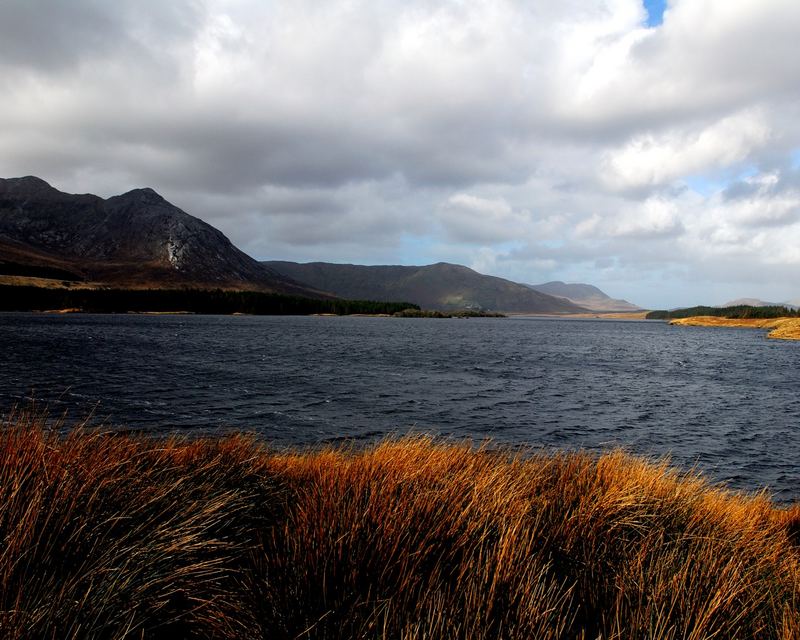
[{"x": 120, "y": 536}]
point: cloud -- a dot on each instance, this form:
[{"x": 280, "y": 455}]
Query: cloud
[
  {"x": 551, "y": 138},
  {"x": 648, "y": 160},
  {"x": 764, "y": 209},
  {"x": 473, "y": 219},
  {"x": 53, "y": 39}
]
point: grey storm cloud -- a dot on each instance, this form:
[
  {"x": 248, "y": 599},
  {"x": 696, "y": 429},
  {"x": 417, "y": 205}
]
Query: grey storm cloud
[
  {"x": 531, "y": 139},
  {"x": 56, "y": 36},
  {"x": 42, "y": 36}
]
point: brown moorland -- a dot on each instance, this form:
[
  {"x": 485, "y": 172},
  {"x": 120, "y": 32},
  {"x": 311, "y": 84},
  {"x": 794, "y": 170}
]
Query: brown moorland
[
  {"x": 781, "y": 328},
  {"x": 122, "y": 536}
]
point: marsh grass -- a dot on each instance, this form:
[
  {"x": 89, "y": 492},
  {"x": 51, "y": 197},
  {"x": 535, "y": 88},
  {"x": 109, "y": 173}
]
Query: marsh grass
[{"x": 112, "y": 536}]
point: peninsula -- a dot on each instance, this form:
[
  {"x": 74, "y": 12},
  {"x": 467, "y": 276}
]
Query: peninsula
[{"x": 781, "y": 328}]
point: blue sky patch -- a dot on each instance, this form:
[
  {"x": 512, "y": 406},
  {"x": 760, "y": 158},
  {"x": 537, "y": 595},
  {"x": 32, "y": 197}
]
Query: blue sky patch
[
  {"x": 702, "y": 185},
  {"x": 655, "y": 11},
  {"x": 711, "y": 183}
]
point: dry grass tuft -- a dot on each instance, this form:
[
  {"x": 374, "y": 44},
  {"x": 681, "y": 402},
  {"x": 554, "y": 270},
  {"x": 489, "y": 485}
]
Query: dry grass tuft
[{"x": 116, "y": 536}]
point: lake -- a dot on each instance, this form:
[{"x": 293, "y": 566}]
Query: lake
[{"x": 724, "y": 400}]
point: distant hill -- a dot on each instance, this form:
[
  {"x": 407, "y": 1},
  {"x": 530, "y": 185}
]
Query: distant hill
[
  {"x": 585, "y": 295},
  {"x": 440, "y": 286},
  {"x": 755, "y": 302},
  {"x": 137, "y": 239}
]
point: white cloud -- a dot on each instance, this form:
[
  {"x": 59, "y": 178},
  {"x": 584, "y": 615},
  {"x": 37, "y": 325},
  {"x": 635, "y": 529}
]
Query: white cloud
[
  {"x": 654, "y": 218},
  {"x": 651, "y": 160},
  {"x": 473, "y": 219}
]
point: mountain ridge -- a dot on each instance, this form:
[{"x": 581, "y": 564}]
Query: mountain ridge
[{"x": 441, "y": 286}]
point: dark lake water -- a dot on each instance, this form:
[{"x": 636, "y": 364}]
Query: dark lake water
[{"x": 727, "y": 401}]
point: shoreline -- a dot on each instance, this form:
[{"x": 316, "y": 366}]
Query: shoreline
[
  {"x": 780, "y": 328},
  {"x": 586, "y": 315}
]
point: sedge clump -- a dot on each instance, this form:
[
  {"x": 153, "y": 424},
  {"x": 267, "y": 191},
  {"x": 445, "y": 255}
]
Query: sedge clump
[{"x": 108, "y": 535}]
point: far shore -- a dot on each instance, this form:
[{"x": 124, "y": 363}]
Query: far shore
[
  {"x": 606, "y": 315},
  {"x": 781, "y": 328},
  {"x": 618, "y": 315},
  {"x": 613, "y": 315}
]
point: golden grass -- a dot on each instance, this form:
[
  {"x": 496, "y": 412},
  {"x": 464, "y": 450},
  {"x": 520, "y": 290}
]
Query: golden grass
[
  {"x": 782, "y": 328},
  {"x": 786, "y": 329},
  {"x": 116, "y": 536}
]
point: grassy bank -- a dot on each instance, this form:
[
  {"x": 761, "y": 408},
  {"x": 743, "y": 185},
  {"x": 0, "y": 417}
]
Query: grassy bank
[
  {"x": 115, "y": 536},
  {"x": 780, "y": 328}
]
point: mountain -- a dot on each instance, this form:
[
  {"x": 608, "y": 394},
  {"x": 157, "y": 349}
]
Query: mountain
[
  {"x": 585, "y": 295},
  {"x": 755, "y": 302},
  {"x": 137, "y": 239},
  {"x": 440, "y": 286}
]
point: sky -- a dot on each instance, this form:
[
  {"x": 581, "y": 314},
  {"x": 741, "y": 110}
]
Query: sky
[{"x": 651, "y": 149}]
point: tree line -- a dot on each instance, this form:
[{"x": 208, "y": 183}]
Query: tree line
[
  {"x": 738, "y": 311},
  {"x": 217, "y": 301}
]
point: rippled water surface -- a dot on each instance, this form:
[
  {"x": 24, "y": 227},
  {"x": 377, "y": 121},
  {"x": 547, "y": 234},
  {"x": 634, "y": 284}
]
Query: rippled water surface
[{"x": 725, "y": 400}]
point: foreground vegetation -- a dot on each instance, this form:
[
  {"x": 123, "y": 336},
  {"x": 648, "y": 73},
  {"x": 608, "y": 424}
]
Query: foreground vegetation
[
  {"x": 740, "y": 311},
  {"x": 112, "y": 536},
  {"x": 218, "y": 301}
]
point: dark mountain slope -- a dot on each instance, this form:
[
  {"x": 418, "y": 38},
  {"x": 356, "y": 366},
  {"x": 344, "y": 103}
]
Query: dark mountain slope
[
  {"x": 438, "y": 286},
  {"x": 135, "y": 239}
]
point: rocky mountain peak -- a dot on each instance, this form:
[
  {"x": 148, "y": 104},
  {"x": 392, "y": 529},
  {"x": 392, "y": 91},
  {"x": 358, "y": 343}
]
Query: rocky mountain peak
[
  {"x": 136, "y": 238},
  {"x": 28, "y": 185},
  {"x": 145, "y": 195}
]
